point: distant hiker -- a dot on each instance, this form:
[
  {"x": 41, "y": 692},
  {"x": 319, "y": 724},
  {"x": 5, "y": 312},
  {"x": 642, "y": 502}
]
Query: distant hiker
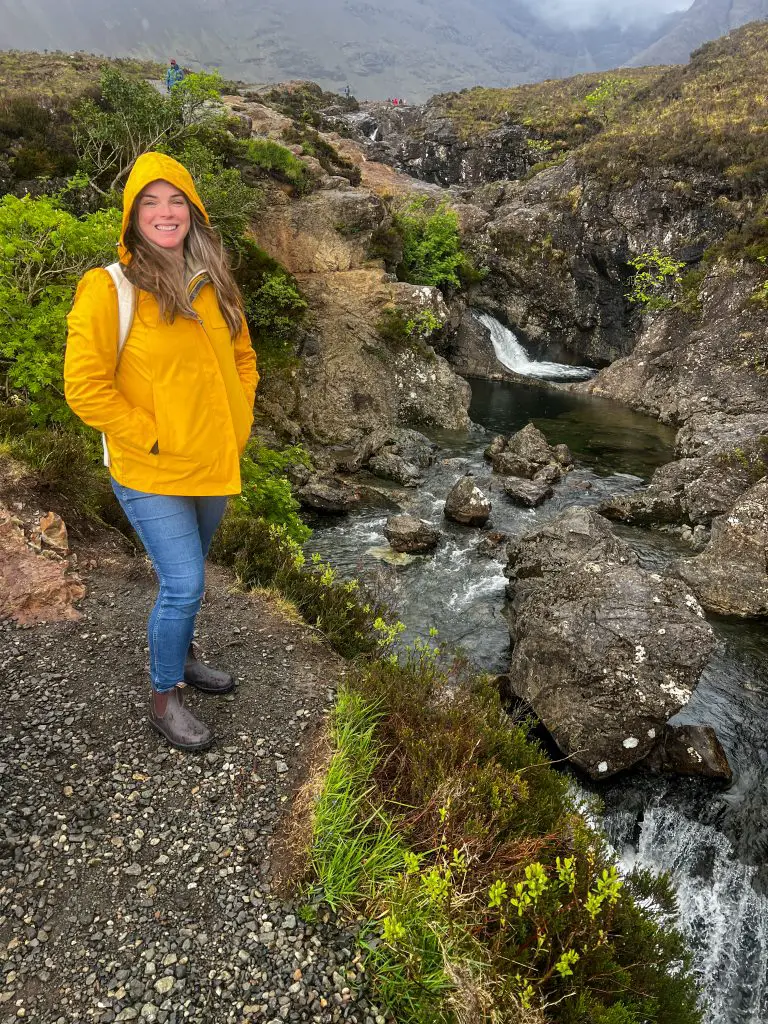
[
  {"x": 347, "y": 91},
  {"x": 172, "y": 388},
  {"x": 173, "y": 75}
]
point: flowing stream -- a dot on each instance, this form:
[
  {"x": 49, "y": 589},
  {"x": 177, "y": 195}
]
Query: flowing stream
[{"x": 713, "y": 843}]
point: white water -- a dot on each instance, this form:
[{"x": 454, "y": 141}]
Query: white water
[
  {"x": 723, "y": 918},
  {"x": 511, "y": 354}
]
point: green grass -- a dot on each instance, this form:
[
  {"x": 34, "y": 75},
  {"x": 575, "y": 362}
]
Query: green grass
[
  {"x": 63, "y": 74},
  {"x": 706, "y": 116},
  {"x": 355, "y": 846},
  {"x": 276, "y": 160},
  {"x": 487, "y": 896}
]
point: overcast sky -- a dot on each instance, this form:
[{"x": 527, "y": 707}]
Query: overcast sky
[{"x": 587, "y": 12}]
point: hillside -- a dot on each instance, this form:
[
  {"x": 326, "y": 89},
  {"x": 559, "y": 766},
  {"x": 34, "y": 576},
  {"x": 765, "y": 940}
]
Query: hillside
[
  {"x": 396, "y": 49},
  {"x": 706, "y": 19}
]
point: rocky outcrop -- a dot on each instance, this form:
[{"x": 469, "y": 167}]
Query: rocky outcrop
[
  {"x": 696, "y": 489},
  {"x": 426, "y": 144},
  {"x": 604, "y": 652},
  {"x": 351, "y": 381},
  {"x": 685, "y": 366},
  {"x": 527, "y": 453},
  {"x": 411, "y": 535},
  {"x": 328, "y": 230},
  {"x": 575, "y": 535},
  {"x": 35, "y": 588},
  {"x": 731, "y": 576},
  {"x": 466, "y": 503}
]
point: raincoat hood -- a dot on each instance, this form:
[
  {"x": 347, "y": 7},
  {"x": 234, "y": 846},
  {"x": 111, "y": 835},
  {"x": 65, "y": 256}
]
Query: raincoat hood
[{"x": 153, "y": 167}]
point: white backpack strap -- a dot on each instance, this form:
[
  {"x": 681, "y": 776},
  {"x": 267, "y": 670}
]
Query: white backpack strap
[{"x": 126, "y": 305}]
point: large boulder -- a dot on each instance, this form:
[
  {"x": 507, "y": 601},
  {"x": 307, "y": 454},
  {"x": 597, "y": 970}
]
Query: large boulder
[
  {"x": 526, "y": 453},
  {"x": 411, "y": 535},
  {"x": 606, "y": 654},
  {"x": 731, "y": 576},
  {"x": 467, "y": 504},
  {"x": 575, "y": 535}
]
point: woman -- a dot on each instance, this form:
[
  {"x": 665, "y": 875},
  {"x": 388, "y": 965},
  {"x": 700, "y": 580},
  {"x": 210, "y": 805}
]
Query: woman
[{"x": 176, "y": 406}]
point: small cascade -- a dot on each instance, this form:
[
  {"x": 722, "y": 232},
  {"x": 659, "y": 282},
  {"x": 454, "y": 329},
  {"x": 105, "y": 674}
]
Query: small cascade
[
  {"x": 374, "y": 136},
  {"x": 513, "y": 356},
  {"x": 722, "y": 916}
]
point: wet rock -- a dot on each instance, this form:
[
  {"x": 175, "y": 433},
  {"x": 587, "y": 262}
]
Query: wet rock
[
  {"x": 528, "y": 493},
  {"x": 493, "y": 545},
  {"x": 550, "y": 474},
  {"x": 730, "y": 577},
  {"x": 707, "y": 432},
  {"x": 606, "y": 654},
  {"x": 690, "y": 750},
  {"x": 389, "y": 466},
  {"x": 467, "y": 504},
  {"x": 525, "y": 453},
  {"x": 694, "y": 490},
  {"x": 328, "y": 496},
  {"x": 575, "y": 535},
  {"x": 410, "y": 535},
  {"x": 33, "y": 589}
]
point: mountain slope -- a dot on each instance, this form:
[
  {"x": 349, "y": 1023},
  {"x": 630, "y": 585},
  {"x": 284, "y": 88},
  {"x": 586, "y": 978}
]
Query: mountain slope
[
  {"x": 397, "y": 48},
  {"x": 706, "y": 19}
]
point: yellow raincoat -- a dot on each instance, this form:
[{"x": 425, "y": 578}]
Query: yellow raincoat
[{"x": 184, "y": 386}]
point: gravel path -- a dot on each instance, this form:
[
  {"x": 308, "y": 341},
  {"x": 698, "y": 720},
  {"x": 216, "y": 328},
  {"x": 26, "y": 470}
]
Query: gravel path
[{"x": 134, "y": 879}]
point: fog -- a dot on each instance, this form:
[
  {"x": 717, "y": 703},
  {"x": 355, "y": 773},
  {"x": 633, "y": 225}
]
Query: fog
[{"x": 584, "y": 13}]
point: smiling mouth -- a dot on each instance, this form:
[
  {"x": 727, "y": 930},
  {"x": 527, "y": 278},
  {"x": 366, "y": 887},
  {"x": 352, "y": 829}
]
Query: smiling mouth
[{"x": 166, "y": 227}]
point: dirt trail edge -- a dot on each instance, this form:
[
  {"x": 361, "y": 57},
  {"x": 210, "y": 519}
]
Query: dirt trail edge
[{"x": 135, "y": 880}]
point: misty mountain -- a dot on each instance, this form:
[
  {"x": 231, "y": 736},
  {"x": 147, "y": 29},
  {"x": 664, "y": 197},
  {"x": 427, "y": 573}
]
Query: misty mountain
[
  {"x": 410, "y": 48},
  {"x": 705, "y": 20}
]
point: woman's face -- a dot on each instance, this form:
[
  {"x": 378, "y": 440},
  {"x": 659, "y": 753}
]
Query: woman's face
[{"x": 163, "y": 215}]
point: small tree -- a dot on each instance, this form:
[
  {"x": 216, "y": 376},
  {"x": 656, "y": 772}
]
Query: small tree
[
  {"x": 44, "y": 252},
  {"x": 656, "y": 278},
  {"x": 431, "y": 244},
  {"x": 132, "y": 118}
]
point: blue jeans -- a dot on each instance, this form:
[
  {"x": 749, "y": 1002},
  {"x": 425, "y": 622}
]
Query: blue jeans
[{"x": 176, "y": 533}]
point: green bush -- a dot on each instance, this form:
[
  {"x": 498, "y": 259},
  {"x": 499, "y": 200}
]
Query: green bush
[
  {"x": 276, "y": 160},
  {"x": 313, "y": 144},
  {"x": 401, "y": 329},
  {"x": 263, "y": 555},
  {"x": 66, "y": 462},
  {"x": 266, "y": 493},
  {"x": 45, "y": 251},
  {"x": 505, "y": 904},
  {"x": 274, "y": 306},
  {"x": 431, "y": 244},
  {"x": 39, "y": 138}
]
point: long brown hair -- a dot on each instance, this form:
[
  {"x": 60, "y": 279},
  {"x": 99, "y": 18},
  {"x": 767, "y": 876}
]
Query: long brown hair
[{"x": 151, "y": 270}]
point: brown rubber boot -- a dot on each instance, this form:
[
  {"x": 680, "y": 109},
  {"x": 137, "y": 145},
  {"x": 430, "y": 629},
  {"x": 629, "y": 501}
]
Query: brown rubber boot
[
  {"x": 204, "y": 678},
  {"x": 180, "y": 727}
]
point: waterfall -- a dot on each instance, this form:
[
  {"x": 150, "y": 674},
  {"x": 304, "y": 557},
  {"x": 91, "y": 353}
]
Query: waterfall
[
  {"x": 722, "y": 916},
  {"x": 511, "y": 354}
]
